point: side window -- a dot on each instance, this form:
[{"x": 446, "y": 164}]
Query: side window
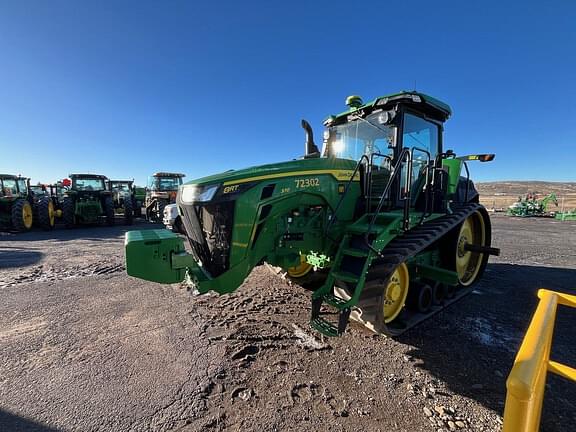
[
  {"x": 22, "y": 186},
  {"x": 420, "y": 133}
]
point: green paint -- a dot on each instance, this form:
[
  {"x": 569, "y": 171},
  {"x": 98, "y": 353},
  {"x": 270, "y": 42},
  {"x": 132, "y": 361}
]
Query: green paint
[{"x": 280, "y": 212}]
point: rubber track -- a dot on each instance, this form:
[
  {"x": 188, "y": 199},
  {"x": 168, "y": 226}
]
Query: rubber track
[{"x": 409, "y": 245}]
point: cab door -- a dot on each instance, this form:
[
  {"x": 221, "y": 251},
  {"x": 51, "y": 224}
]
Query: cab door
[{"x": 422, "y": 137}]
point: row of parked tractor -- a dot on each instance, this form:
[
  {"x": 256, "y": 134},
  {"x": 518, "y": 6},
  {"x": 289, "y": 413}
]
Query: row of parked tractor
[{"x": 83, "y": 199}]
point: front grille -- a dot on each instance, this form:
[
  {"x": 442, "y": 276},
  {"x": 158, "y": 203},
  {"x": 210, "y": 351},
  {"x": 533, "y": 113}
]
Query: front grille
[{"x": 209, "y": 231}]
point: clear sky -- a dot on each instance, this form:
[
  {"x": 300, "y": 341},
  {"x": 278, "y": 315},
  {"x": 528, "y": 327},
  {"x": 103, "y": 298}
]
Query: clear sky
[{"x": 126, "y": 88}]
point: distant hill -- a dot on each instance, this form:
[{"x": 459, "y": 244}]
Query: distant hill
[{"x": 501, "y": 194}]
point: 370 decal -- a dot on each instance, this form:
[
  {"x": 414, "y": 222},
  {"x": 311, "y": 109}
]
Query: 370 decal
[{"x": 308, "y": 182}]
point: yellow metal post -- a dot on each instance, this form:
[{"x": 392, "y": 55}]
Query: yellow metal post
[{"x": 527, "y": 380}]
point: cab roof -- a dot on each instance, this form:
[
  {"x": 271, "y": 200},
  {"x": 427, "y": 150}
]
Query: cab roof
[
  {"x": 419, "y": 101},
  {"x": 90, "y": 176},
  {"x": 168, "y": 174}
]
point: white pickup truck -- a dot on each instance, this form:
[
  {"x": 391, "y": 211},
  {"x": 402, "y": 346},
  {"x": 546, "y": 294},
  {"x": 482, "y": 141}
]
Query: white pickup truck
[{"x": 172, "y": 219}]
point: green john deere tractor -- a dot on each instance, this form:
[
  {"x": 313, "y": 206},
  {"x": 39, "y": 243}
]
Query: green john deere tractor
[
  {"x": 124, "y": 198},
  {"x": 45, "y": 205},
  {"x": 87, "y": 200},
  {"x": 382, "y": 224},
  {"x": 16, "y": 206},
  {"x": 162, "y": 190}
]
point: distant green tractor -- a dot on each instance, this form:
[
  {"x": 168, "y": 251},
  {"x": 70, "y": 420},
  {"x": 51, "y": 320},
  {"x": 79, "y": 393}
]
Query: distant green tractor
[
  {"x": 16, "y": 210},
  {"x": 162, "y": 190},
  {"x": 45, "y": 205},
  {"x": 124, "y": 199},
  {"x": 17, "y": 205},
  {"x": 87, "y": 200}
]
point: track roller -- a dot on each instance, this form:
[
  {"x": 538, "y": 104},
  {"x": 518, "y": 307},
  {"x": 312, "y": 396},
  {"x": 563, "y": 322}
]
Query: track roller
[{"x": 420, "y": 298}]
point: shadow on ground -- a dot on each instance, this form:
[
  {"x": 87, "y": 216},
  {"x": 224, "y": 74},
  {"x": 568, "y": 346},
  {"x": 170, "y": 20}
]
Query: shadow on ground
[
  {"x": 96, "y": 232},
  {"x": 18, "y": 257},
  {"x": 15, "y": 423},
  {"x": 491, "y": 323}
]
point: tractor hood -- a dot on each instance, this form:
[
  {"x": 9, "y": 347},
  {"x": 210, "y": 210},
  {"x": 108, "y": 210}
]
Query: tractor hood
[{"x": 340, "y": 168}]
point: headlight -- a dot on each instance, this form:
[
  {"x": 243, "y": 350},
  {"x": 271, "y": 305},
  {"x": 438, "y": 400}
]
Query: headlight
[{"x": 192, "y": 194}]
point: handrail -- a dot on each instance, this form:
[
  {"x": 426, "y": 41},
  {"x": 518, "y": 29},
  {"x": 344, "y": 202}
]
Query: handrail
[
  {"x": 395, "y": 172},
  {"x": 426, "y": 188},
  {"x": 467, "y": 181},
  {"x": 334, "y": 213},
  {"x": 369, "y": 175},
  {"x": 527, "y": 380}
]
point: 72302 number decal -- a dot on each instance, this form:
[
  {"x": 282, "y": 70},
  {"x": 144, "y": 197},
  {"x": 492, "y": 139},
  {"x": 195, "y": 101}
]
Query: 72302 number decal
[{"x": 308, "y": 182}]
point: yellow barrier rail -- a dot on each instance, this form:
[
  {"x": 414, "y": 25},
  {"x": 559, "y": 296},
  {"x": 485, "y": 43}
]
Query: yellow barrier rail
[{"x": 527, "y": 380}]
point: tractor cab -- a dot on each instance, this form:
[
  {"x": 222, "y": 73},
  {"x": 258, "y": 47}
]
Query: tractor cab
[
  {"x": 121, "y": 188},
  {"x": 165, "y": 182},
  {"x": 16, "y": 202},
  {"x": 88, "y": 183},
  {"x": 397, "y": 141},
  {"x": 87, "y": 199},
  {"x": 162, "y": 190}
]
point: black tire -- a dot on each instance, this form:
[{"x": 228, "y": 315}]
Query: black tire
[
  {"x": 19, "y": 209},
  {"x": 160, "y": 205},
  {"x": 46, "y": 213},
  {"x": 128, "y": 212},
  {"x": 68, "y": 210},
  {"x": 109, "y": 210},
  {"x": 137, "y": 209}
]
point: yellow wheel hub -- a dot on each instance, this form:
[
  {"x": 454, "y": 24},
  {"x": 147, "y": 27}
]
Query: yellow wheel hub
[
  {"x": 468, "y": 263},
  {"x": 396, "y": 292},
  {"x": 51, "y": 213},
  {"x": 27, "y": 215},
  {"x": 301, "y": 269}
]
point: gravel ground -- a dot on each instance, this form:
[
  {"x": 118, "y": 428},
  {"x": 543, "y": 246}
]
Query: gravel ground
[{"x": 83, "y": 347}]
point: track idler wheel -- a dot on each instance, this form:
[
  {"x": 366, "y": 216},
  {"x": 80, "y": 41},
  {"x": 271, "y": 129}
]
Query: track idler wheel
[
  {"x": 420, "y": 297},
  {"x": 383, "y": 298}
]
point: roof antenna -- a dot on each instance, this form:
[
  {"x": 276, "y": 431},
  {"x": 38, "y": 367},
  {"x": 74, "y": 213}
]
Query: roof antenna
[{"x": 414, "y": 85}]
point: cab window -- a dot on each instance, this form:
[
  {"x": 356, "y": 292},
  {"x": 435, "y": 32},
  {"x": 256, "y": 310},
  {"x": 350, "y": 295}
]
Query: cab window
[
  {"x": 22, "y": 186},
  {"x": 9, "y": 186},
  {"x": 421, "y": 136}
]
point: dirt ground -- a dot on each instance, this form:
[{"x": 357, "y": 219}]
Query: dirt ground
[{"x": 83, "y": 347}]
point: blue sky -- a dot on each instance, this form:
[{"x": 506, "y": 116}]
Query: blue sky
[{"x": 126, "y": 88}]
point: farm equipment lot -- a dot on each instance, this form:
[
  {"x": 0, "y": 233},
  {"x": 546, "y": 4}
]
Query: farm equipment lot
[{"x": 84, "y": 347}]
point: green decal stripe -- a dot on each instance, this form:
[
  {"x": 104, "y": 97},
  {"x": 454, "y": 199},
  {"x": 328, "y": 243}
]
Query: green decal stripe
[{"x": 341, "y": 175}]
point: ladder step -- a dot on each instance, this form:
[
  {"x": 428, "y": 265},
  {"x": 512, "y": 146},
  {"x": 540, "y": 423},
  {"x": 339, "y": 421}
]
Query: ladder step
[
  {"x": 332, "y": 300},
  {"x": 345, "y": 276},
  {"x": 355, "y": 252},
  {"x": 324, "y": 327}
]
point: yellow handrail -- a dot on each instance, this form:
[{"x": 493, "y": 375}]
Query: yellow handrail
[{"x": 526, "y": 382}]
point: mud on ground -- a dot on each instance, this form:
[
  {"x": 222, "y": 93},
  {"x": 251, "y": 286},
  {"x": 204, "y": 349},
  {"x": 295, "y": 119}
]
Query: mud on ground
[{"x": 84, "y": 347}]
